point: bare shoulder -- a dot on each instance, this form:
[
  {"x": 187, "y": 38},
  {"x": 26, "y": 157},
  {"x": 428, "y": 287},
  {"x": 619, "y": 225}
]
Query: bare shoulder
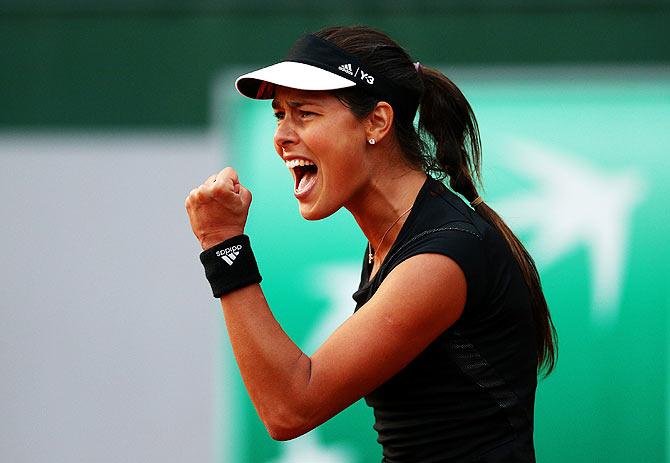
[
  {"x": 426, "y": 293},
  {"x": 420, "y": 298}
]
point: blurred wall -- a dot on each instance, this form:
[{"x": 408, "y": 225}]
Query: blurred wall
[
  {"x": 107, "y": 333},
  {"x": 151, "y": 63}
]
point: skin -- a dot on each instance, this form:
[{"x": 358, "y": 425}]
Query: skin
[{"x": 294, "y": 392}]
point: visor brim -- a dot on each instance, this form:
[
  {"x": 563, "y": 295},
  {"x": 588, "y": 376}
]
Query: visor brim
[{"x": 289, "y": 74}]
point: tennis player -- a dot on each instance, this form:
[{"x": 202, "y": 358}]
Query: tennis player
[{"x": 450, "y": 328}]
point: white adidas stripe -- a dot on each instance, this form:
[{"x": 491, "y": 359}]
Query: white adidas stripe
[
  {"x": 229, "y": 258},
  {"x": 346, "y": 68}
]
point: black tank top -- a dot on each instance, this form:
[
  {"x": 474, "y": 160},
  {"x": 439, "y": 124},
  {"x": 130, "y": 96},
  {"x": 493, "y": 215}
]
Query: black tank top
[{"x": 469, "y": 396}]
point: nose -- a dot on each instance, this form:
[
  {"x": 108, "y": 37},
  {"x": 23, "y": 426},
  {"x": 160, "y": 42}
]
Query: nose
[{"x": 284, "y": 137}]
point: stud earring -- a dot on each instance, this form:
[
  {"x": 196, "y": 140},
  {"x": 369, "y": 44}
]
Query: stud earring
[{"x": 372, "y": 141}]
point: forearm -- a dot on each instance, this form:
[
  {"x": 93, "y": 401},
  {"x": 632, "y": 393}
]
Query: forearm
[{"x": 275, "y": 371}]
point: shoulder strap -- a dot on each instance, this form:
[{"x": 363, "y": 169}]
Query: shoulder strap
[{"x": 392, "y": 261}]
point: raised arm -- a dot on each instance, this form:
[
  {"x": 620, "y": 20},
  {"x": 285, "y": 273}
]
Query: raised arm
[{"x": 293, "y": 392}]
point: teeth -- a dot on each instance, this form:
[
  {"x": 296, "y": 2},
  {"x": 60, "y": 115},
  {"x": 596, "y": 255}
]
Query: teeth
[{"x": 298, "y": 162}]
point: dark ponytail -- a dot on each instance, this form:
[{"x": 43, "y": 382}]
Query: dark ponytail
[{"x": 446, "y": 145}]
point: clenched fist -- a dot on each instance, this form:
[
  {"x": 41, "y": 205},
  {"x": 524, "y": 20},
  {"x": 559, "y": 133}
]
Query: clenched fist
[{"x": 218, "y": 208}]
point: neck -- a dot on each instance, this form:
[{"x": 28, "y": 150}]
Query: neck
[{"x": 381, "y": 202}]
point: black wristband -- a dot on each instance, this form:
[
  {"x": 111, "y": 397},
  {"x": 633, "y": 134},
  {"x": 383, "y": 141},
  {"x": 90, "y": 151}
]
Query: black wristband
[{"x": 230, "y": 265}]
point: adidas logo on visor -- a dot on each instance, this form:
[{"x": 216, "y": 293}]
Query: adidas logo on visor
[
  {"x": 229, "y": 254},
  {"x": 346, "y": 68},
  {"x": 364, "y": 76}
]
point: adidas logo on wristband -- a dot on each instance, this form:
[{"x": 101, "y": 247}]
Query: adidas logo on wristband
[
  {"x": 227, "y": 278},
  {"x": 229, "y": 254}
]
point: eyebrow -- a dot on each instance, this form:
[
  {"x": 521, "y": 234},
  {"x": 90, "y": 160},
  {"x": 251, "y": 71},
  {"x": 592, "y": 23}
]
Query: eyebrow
[{"x": 292, "y": 104}]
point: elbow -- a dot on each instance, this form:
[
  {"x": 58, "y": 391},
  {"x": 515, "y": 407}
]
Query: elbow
[
  {"x": 292, "y": 411},
  {"x": 280, "y": 433},
  {"x": 283, "y": 425}
]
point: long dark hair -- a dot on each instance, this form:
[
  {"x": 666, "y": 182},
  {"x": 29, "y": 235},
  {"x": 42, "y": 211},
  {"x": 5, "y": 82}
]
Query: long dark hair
[{"x": 446, "y": 144}]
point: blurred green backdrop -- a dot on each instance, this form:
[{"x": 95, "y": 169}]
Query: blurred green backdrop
[
  {"x": 573, "y": 161},
  {"x": 145, "y": 63}
]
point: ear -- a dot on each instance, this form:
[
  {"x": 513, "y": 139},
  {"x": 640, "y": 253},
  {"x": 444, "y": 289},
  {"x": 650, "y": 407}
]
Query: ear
[{"x": 379, "y": 122}]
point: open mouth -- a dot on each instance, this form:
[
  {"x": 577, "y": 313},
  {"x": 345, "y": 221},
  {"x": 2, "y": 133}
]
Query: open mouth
[{"x": 304, "y": 174}]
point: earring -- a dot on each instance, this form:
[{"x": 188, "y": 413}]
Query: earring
[{"x": 372, "y": 141}]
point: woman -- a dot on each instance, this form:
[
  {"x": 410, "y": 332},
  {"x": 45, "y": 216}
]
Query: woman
[{"x": 451, "y": 326}]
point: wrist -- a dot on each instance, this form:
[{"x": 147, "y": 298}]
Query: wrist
[
  {"x": 212, "y": 239},
  {"x": 230, "y": 265}
]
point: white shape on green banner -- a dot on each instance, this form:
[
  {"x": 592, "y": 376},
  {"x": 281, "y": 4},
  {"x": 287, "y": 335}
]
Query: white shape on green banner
[
  {"x": 575, "y": 203},
  {"x": 337, "y": 282},
  {"x": 308, "y": 449}
]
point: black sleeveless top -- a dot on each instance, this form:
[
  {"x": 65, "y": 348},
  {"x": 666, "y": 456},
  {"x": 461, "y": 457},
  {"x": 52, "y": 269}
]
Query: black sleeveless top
[{"x": 469, "y": 396}]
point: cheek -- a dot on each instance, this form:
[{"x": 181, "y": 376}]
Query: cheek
[{"x": 342, "y": 142}]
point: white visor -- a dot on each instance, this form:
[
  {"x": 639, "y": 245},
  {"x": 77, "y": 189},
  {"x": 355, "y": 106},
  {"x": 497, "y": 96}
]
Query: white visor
[{"x": 289, "y": 74}]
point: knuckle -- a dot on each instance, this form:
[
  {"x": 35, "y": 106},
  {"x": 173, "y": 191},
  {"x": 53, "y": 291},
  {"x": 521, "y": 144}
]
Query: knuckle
[
  {"x": 219, "y": 192},
  {"x": 228, "y": 172},
  {"x": 218, "y": 187},
  {"x": 199, "y": 194}
]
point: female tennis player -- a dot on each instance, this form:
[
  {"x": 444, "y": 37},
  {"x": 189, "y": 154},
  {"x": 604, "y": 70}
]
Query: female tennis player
[{"x": 451, "y": 327}]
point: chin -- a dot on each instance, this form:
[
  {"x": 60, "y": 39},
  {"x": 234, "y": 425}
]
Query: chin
[{"x": 315, "y": 213}]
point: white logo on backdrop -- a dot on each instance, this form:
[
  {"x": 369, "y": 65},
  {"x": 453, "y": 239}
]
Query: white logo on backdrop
[
  {"x": 573, "y": 204},
  {"x": 337, "y": 283},
  {"x": 307, "y": 448}
]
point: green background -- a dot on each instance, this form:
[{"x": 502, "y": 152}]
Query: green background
[
  {"x": 151, "y": 62},
  {"x": 607, "y": 399}
]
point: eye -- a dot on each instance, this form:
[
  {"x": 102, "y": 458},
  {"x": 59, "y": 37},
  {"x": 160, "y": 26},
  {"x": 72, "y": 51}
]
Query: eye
[
  {"x": 306, "y": 113},
  {"x": 279, "y": 115}
]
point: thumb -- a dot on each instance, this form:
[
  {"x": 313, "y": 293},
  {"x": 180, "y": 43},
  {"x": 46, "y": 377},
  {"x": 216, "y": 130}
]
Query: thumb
[{"x": 245, "y": 195}]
